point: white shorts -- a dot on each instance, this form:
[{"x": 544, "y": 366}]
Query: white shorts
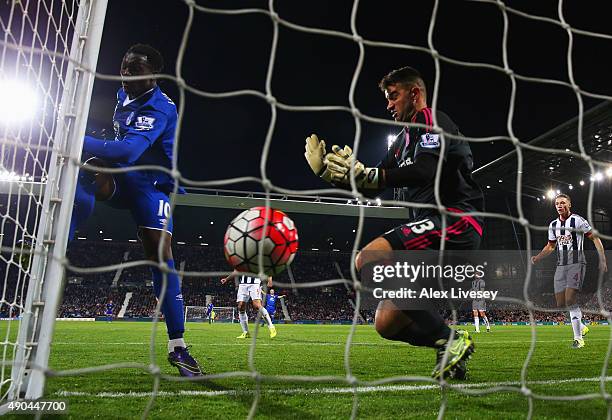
[
  {"x": 569, "y": 276},
  {"x": 246, "y": 291},
  {"x": 479, "y": 305}
]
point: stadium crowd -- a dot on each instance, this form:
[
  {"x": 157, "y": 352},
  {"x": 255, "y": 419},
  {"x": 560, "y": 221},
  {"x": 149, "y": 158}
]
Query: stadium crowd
[{"x": 87, "y": 293}]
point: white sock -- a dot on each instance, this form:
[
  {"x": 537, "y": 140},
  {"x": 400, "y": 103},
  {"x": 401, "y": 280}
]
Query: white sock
[
  {"x": 576, "y": 318},
  {"x": 476, "y": 324},
  {"x": 175, "y": 342},
  {"x": 486, "y": 321},
  {"x": 244, "y": 321},
  {"x": 265, "y": 315}
]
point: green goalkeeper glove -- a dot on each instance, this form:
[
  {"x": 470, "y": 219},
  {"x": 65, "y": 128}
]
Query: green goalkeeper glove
[
  {"x": 318, "y": 160},
  {"x": 365, "y": 178}
]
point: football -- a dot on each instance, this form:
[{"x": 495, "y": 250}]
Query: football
[{"x": 245, "y": 234}]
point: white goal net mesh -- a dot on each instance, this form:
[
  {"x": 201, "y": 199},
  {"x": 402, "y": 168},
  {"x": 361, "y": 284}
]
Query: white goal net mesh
[
  {"x": 30, "y": 162},
  {"x": 41, "y": 47}
]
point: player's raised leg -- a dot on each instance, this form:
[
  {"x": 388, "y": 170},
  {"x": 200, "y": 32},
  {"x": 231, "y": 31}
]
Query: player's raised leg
[
  {"x": 418, "y": 328},
  {"x": 483, "y": 316},
  {"x": 264, "y": 312},
  {"x": 91, "y": 187},
  {"x": 172, "y": 303}
]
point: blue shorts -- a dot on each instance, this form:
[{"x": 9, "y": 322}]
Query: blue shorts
[
  {"x": 136, "y": 191},
  {"x": 271, "y": 311}
]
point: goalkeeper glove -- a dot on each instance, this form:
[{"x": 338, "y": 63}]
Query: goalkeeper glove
[
  {"x": 317, "y": 160},
  {"x": 365, "y": 178}
]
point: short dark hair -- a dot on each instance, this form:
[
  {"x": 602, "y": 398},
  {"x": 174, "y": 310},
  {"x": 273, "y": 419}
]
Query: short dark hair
[
  {"x": 405, "y": 76},
  {"x": 563, "y": 196},
  {"x": 154, "y": 57}
]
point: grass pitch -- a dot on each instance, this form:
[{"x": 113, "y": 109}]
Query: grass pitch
[{"x": 318, "y": 350}]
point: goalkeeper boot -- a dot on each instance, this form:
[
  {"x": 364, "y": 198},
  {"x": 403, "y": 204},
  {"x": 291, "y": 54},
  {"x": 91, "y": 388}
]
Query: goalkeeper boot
[
  {"x": 244, "y": 335},
  {"x": 272, "y": 331},
  {"x": 578, "y": 344},
  {"x": 460, "y": 350},
  {"x": 184, "y": 362},
  {"x": 585, "y": 330}
]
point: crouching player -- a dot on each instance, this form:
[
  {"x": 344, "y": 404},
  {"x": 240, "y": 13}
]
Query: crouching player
[{"x": 410, "y": 165}]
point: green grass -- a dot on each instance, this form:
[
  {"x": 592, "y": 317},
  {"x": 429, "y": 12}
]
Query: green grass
[{"x": 318, "y": 350}]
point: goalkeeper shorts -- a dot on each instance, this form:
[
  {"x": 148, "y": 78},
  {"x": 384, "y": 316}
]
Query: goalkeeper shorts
[{"x": 462, "y": 233}]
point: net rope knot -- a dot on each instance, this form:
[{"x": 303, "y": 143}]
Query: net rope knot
[
  {"x": 271, "y": 99},
  {"x": 154, "y": 369}
]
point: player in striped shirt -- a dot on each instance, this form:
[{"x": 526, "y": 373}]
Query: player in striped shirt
[
  {"x": 250, "y": 288},
  {"x": 566, "y": 234},
  {"x": 479, "y": 306}
]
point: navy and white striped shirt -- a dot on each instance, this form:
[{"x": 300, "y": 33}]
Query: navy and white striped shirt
[
  {"x": 478, "y": 284},
  {"x": 249, "y": 280},
  {"x": 570, "y": 244}
]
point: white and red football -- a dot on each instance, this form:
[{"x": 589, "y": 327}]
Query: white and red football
[{"x": 244, "y": 237}]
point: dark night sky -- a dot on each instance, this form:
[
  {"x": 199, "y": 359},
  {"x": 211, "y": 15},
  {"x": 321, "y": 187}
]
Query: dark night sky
[{"x": 223, "y": 137}]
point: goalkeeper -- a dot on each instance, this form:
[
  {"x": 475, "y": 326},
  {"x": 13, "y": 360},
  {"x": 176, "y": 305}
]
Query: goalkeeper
[{"x": 410, "y": 166}]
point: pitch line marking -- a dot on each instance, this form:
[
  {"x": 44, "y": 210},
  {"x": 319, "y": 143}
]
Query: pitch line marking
[
  {"x": 334, "y": 390},
  {"x": 306, "y": 343}
]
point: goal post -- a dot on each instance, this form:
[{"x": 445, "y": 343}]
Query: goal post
[
  {"x": 198, "y": 313},
  {"x": 77, "y": 51}
]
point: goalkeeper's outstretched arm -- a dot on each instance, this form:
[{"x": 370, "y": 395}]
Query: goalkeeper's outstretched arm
[{"x": 335, "y": 167}]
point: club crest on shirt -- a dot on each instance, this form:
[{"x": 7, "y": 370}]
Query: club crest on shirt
[
  {"x": 144, "y": 123},
  {"x": 564, "y": 240},
  {"x": 128, "y": 120},
  {"x": 430, "y": 141}
]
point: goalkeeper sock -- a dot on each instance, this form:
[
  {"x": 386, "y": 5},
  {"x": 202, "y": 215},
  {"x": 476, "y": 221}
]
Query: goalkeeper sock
[
  {"x": 426, "y": 330},
  {"x": 244, "y": 321},
  {"x": 576, "y": 318},
  {"x": 172, "y": 306},
  {"x": 84, "y": 201},
  {"x": 477, "y": 324},
  {"x": 265, "y": 315},
  {"x": 177, "y": 342}
]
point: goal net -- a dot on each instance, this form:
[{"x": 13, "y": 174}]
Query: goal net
[
  {"x": 48, "y": 56},
  {"x": 52, "y": 46},
  {"x": 199, "y": 314}
]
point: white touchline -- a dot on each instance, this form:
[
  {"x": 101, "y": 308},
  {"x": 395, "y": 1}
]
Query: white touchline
[
  {"x": 334, "y": 390},
  {"x": 306, "y": 343}
]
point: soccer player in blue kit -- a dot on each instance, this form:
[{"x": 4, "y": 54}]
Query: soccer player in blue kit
[
  {"x": 109, "y": 311},
  {"x": 144, "y": 122},
  {"x": 270, "y": 299}
]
